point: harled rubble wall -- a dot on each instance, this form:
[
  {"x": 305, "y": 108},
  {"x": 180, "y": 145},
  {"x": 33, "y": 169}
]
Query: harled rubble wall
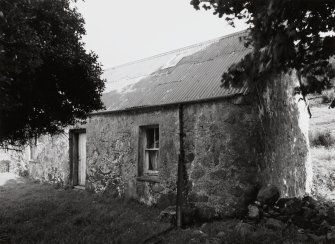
[
  {"x": 232, "y": 147},
  {"x": 112, "y": 156},
  {"x": 283, "y": 125},
  {"x": 50, "y": 164},
  {"x": 219, "y": 159}
]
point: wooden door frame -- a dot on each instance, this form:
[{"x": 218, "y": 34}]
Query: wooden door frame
[{"x": 73, "y": 154}]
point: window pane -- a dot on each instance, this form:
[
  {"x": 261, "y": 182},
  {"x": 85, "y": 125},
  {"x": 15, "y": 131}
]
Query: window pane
[
  {"x": 150, "y": 137},
  {"x": 156, "y": 138},
  {"x": 153, "y": 159}
]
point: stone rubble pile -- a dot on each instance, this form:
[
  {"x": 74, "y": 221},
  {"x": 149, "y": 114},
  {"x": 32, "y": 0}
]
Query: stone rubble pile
[{"x": 314, "y": 220}]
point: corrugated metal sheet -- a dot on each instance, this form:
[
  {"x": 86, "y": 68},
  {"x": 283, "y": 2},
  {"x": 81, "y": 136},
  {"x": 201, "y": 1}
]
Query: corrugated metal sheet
[{"x": 185, "y": 75}]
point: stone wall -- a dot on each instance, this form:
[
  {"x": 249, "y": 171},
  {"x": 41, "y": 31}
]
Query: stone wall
[
  {"x": 283, "y": 124},
  {"x": 51, "y": 162},
  {"x": 14, "y": 161},
  {"x": 232, "y": 147},
  {"x": 221, "y": 147},
  {"x": 112, "y": 156}
]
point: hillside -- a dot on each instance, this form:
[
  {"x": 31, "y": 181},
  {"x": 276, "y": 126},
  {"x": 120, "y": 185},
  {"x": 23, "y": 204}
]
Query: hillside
[{"x": 322, "y": 139}]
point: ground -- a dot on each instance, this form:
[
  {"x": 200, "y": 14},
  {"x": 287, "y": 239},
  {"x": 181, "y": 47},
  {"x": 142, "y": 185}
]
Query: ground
[
  {"x": 38, "y": 213},
  {"x": 31, "y": 212}
]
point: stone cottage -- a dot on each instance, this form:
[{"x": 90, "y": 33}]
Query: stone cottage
[{"x": 172, "y": 107}]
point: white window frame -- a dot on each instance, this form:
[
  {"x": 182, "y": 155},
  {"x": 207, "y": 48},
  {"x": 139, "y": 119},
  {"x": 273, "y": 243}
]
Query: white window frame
[{"x": 148, "y": 151}]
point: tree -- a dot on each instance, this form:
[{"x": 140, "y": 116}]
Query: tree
[
  {"x": 47, "y": 80},
  {"x": 285, "y": 35}
]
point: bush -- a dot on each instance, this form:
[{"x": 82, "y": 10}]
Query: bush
[
  {"x": 328, "y": 96},
  {"x": 321, "y": 138}
]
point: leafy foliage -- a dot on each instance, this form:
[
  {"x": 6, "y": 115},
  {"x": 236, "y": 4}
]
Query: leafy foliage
[
  {"x": 285, "y": 34},
  {"x": 47, "y": 80}
]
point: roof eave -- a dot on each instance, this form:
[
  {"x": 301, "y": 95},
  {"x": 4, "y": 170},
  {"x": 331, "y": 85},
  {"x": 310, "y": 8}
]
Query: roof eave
[{"x": 169, "y": 104}]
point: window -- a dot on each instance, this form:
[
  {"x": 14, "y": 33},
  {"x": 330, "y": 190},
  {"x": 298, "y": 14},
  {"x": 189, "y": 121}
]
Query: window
[{"x": 149, "y": 158}]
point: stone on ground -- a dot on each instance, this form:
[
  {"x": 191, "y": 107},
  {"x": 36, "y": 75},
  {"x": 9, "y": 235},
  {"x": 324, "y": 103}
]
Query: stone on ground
[{"x": 268, "y": 195}]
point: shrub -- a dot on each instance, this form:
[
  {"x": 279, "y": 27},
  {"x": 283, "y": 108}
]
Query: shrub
[
  {"x": 328, "y": 96},
  {"x": 321, "y": 138}
]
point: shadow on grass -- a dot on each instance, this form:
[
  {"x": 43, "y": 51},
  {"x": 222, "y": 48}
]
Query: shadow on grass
[{"x": 39, "y": 213}]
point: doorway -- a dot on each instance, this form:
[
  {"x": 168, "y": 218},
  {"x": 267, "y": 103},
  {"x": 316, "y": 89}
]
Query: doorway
[{"x": 78, "y": 157}]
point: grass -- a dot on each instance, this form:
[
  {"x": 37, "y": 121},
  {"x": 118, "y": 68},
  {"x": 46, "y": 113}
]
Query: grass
[
  {"x": 38, "y": 213},
  {"x": 321, "y": 138},
  {"x": 323, "y": 159},
  {"x": 322, "y": 142},
  {"x": 35, "y": 213}
]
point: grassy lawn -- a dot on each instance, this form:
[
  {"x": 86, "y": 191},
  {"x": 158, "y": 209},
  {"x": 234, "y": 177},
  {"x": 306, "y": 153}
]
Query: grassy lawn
[
  {"x": 322, "y": 140},
  {"x": 323, "y": 160},
  {"x": 38, "y": 213},
  {"x": 35, "y": 213}
]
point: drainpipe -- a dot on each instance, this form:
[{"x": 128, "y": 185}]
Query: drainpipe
[{"x": 180, "y": 176}]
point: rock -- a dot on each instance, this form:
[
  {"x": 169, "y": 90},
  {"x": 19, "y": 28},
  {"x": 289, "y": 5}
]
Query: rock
[
  {"x": 301, "y": 222},
  {"x": 221, "y": 234},
  {"x": 204, "y": 226},
  {"x": 302, "y": 237},
  {"x": 323, "y": 212},
  {"x": 168, "y": 215},
  {"x": 253, "y": 212},
  {"x": 157, "y": 188},
  {"x": 188, "y": 216},
  {"x": 324, "y": 228},
  {"x": 317, "y": 239},
  {"x": 309, "y": 202},
  {"x": 283, "y": 218},
  {"x": 268, "y": 195},
  {"x": 199, "y": 233},
  {"x": 195, "y": 241},
  {"x": 308, "y": 213},
  {"x": 331, "y": 234},
  {"x": 205, "y": 213},
  {"x": 274, "y": 224},
  {"x": 281, "y": 202},
  {"x": 214, "y": 241},
  {"x": 273, "y": 213},
  {"x": 317, "y": 219},
  {"x": 331, "y": 215},
  {"x": 244, "y": 229},
  {"x": 293, "y": 206}
]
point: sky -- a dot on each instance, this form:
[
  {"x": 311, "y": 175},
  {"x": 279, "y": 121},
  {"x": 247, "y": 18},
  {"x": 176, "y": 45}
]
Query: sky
[{"x": 126, "y": 30}]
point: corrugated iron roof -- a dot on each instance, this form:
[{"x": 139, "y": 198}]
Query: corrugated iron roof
[{"x": 184, "y": 75}]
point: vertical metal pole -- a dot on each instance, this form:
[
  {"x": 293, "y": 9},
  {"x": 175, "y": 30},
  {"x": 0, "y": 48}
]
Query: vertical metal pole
[{"x": 180, "y": 179}]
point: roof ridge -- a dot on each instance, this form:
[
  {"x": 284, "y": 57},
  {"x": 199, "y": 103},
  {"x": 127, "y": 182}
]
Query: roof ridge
[{"x": 177, "y": 50}]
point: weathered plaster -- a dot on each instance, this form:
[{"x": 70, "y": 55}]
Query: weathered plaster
[
  {"x": 221, "y": 155},
  {"x": 283, "y": 121},
  {"x": 52, "y": 160},
  {"x": 219, "y": 146},
  {"x": 112, "y": 157}
]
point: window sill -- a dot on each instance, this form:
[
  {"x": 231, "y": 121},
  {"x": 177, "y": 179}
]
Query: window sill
[{"x": 148, "y": 178}]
